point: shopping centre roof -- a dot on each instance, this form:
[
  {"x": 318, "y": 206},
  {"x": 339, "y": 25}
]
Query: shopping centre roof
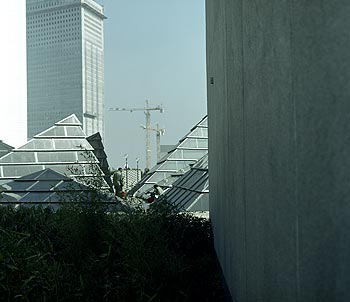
[
  {"x": 48, "y": 187},
  {"x": 5, "y": 148},
  {"x": 62, "y": 148},
  {"x": 189, "y": 150},
  {"x": 190, "y": 192}
]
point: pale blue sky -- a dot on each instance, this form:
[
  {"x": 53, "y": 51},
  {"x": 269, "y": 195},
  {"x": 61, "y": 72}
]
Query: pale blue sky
[{"x": 154, "y": 49}]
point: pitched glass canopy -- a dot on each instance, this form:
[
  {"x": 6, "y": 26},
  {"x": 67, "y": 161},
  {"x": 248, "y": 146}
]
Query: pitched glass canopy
[
  {"x": 190, "y": 192},
  {"x": 47, "y": 187},
  {"x": 62, "y": 148},
  {"x": 4, "y": 148},
  {"x": 188, "y": 151}
]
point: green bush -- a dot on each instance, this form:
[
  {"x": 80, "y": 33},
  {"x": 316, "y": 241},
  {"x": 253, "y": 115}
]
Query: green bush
[{"x": 83, "y": 253}]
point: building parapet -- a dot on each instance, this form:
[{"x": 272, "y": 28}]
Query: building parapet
[{"x": 40, "y": 6}]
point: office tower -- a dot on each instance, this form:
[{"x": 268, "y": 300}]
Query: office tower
[{"x": 65, "y": 68}]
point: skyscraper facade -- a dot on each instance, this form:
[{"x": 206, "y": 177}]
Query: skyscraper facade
[{"x": 65, "y": 63}]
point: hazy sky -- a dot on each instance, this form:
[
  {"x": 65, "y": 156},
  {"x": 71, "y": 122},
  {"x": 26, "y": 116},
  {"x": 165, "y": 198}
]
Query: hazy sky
[
  {"x": 154, "y": 49},
  {"x": 13, "y": 93}
]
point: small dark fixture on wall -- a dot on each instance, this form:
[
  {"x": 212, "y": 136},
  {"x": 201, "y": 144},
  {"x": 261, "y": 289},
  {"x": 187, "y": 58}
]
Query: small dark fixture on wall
[{"x": 211, "y": 80}]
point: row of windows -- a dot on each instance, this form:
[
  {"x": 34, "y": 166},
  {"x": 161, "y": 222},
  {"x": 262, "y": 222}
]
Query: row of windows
[
  {"x": 54, "y": 93},
  {"x": 53, "y": 59},
  {"x": 55, "y": 15},
  {"x": 41, "y": 100},
  {"x": 64, "y": 23},
  {"x": 55, "y": 81},
  {"x": 74, "y": 73},
  {"x": 55, "y": 77},
  {"x": 40, "y": 74},
  {"x": 47, "y": 43},
  {"x": 55, "y": 38},
  {"x": 54, "y": 34},
  {"x": 66, "y": 43},
  {"x": 54, "y": 30},
  {"x": 44, "y": 19},
  {"x": 48, "y": 5},
  {"x": 55, "y": 62},
  {"x": 58, "y": 79},
  {"x": 46, "y": 55},
  {"x": 57, "y": 65}
]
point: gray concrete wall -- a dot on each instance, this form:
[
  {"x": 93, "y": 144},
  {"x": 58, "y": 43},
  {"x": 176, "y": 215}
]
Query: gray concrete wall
[{"x": 279, "y": 147}]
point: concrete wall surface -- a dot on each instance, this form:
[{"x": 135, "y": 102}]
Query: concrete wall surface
[{"x": 279, "y": 147}]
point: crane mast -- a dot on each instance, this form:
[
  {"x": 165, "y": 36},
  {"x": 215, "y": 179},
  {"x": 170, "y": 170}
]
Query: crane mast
[
  {"x": 147, "y": 111},
  {"x": 159, "y": 132}
]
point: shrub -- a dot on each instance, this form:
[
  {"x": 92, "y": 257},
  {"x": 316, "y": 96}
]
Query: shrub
[{"x": 83, "y": 253}]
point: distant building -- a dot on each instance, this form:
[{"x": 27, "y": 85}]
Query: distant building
[
  {"x": 131, "y": 177},
  {"x": 65, "y": 63}
]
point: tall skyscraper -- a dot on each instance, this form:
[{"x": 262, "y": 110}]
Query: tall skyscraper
[{"x": 65, "y": 63}]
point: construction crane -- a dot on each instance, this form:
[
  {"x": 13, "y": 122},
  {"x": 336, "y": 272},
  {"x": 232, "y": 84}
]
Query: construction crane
[
  {"x": 159, "y": 132},
  {"x": 147, "y": 110}
]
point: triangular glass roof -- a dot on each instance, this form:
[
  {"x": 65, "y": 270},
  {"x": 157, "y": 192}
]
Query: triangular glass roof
[
  {"x": 5, "y": 148},
  {"x": 70, "y": 120},
  {"x": 68, "y": 127},
  {"x": 188, "y": 151},
  {"x": 190, "y": 192},
  {"x": 46, "y": 174},
  {"x": 95, "y": 141},
  {"x": 46, "y": 187},
  {"x": 62, "y": 148}
]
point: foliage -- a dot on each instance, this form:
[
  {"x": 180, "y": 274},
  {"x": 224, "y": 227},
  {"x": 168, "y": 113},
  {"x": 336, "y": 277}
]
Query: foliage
[
  {"x": 88, "y": 174},
  {"x": 83, "y": 253}
]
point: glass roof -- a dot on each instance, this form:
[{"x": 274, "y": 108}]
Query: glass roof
[
  {"x": 70, "y": 120},
  {"x": 45, "y": 187},
  {"x": 4, "y": 148},
  {"x": 190, "y": 192},
  {"x": 187, "y": 152},
  {"x": 62, "y": 148},
  {"x": 95, "y": 141}
]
